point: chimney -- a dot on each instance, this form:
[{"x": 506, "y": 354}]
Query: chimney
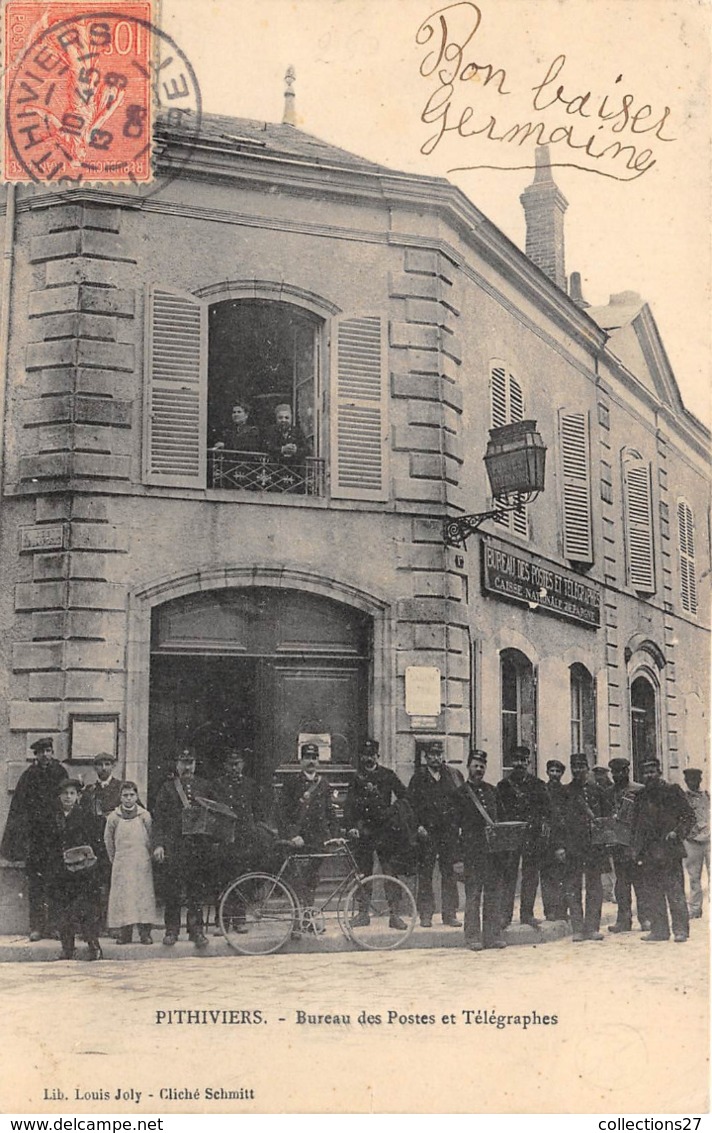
[
  {"x": 544, "y": 208},
  {"x": 575, "y": 291},
  {"x": 289, "y": 117}
]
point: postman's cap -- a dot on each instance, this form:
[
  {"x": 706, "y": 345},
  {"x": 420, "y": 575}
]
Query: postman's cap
[
  {"x": 693, "y": 772},
  {"x": 579, "y": 759},
  {"x": 370, "y": 747},
  {"x": 104, "y": 757},
  {"x": 310, "y": 751},
  {"x": 520, "y": 754},
  {"x": 45, "y": 743},
  {"x": 476, "y": 753},
  {"x": 555, "y": 763},
  {"x": 651, "y": 761},
  {"x": 619, "y": 764}
]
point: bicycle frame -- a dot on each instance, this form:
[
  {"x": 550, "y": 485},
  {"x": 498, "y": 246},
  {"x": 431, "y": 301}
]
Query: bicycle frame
[{"x": 343, "y": 851}]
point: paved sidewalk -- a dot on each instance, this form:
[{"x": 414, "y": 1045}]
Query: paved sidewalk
[{"x": 19, "y": 948}]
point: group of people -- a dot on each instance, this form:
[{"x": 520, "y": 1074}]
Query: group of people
[
  {"x": 91, "y": 853},
  {"x": 282, "y": 440}
]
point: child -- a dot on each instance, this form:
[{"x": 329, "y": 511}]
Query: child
[
  {"x": 77, "y": 889},
  {"x": 132, "y": 900}
]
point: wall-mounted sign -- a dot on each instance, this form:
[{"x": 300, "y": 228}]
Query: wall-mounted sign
[
  {"x": 322, "y": 741},
  {"x": 539, "y": 585},
  {"x": 45, "y": 537},
  {"x": 422, "y": 690}
]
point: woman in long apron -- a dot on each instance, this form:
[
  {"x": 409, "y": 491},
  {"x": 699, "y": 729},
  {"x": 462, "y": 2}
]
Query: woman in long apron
[{"x": 132, "y": 899}]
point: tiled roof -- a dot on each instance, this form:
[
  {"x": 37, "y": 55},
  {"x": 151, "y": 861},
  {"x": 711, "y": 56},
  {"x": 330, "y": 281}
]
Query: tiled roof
[{"x": 246, "y": 135}]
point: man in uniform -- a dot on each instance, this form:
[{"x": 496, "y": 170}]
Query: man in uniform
[
  {"x": 308, "y": 821},
  {"x": 627, "y": 872},
  {"x": 584, "y": 860},
  {"x": 251, "y": 846},
  {"x": 552, "y": 871},
  {"x": 662, "y": 821},
  {"x": 431, "y": 794},
  {"x": 477, "y": 802},
  {"x": 697, "y": 843},
  {"x": 97, "y": 801},
  {"x": 366, "y": 816},
  {"x": 522, "y": 797},
  {"x": 30, "y": 832},
  {"x": 187, "y": 857}
]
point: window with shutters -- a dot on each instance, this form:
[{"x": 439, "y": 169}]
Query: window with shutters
[
  {"x": 575, "y": 466},
  {"x": 686, "y": 559},
  {"x": 638, "y": 521},
  {"x": 506, "y": 407},
  {"x": 236, "y": 392}
]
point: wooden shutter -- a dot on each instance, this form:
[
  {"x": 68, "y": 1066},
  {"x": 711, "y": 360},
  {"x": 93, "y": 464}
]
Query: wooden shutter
[
  {"x": 639, "y": 526},
  {"x": 175, "y": 389},
  {"x": 686, "y": 546},
  {"x": 507, "y": 406},
  {"x": 359, "y": 417},
  {"x": 576, "y": 485}
]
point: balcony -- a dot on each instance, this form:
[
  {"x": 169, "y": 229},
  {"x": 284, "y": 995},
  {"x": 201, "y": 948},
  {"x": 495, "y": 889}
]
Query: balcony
[{"x": 257, "y": 472}]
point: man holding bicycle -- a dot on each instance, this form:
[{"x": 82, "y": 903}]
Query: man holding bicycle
[{"x": 308, "y": 820}]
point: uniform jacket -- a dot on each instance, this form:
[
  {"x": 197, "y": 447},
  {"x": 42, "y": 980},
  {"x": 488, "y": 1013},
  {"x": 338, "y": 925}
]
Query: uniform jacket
[
  {"x": 308, "y": 811},
  {"x": 472, "y": 824},
  {"x": 434, "y": 801},
  {"x": 243, "y": 797},
  {"x": 526, "y": 801},
  {"x": 581, "y": 802},
  {"x": 29, "y": 828},
  {"x": 369, "y": 799},
  {"x": 168, "y": 813},
  {"x": 661, "y": 808}
]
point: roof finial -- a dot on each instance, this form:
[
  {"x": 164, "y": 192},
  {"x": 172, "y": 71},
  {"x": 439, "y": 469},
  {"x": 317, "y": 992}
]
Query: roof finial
[{"x": 289, "y": 118}]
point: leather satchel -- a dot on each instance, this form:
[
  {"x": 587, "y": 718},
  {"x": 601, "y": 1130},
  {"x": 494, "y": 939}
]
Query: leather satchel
[{"x": 79, "y": 859}]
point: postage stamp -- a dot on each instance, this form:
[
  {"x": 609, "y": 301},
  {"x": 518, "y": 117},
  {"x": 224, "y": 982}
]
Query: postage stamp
[{"x": 85, "y": 89}]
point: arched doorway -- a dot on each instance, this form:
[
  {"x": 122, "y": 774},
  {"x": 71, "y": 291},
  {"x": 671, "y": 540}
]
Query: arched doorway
[
  {"x": 258, "y": 667},
  {"x": 643, "y": 722}
]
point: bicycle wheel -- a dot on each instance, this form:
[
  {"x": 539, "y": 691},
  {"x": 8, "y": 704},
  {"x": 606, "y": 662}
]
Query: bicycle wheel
[
  {"x": 257, "y": 914},
  {"x": 378, "y": 912}
]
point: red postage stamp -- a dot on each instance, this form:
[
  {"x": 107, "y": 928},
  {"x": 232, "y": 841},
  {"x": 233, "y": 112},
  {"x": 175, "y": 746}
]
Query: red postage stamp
[{"x": 77, "y": 91}]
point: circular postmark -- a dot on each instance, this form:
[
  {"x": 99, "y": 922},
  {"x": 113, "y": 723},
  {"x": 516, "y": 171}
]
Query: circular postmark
[{"x": 98, "y": 96}]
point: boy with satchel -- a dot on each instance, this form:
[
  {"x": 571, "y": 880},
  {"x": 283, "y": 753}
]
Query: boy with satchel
[
  {"x": 477, "y": 806},
  {"x": 77, "y": 880}
]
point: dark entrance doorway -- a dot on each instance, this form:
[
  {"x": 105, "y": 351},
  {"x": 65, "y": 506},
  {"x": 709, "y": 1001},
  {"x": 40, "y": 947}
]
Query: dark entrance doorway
[
  {"x": 643, "y": 721},
  {"x": 257, "y": 668}
]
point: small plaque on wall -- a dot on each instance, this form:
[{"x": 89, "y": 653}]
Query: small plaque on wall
[
  {"x": 422, "y": 690},
  {"x": 89, "y": 735},
  {"x": 45, "y": 537}
]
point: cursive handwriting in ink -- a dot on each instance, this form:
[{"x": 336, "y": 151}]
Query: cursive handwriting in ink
[{"x": 601, "y": 129}]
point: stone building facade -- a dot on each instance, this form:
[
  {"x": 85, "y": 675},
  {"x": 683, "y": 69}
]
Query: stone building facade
[{"x": 157, "y": 590}]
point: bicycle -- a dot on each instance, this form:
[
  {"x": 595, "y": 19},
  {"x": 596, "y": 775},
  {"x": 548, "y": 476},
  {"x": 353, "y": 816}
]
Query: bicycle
[{"x": 259, "y": 912}]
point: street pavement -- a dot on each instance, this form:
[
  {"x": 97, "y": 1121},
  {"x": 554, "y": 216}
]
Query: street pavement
[{"x": 446, "y": 1032}]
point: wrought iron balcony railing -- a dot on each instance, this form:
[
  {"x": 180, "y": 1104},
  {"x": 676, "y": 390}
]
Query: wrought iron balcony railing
[{"x": 258, "y": 472}]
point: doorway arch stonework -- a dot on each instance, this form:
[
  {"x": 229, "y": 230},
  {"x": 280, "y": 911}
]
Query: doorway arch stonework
[{"x": 144, "y": 599}]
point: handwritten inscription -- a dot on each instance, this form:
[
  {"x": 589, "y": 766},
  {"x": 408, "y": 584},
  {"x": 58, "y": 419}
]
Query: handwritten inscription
[{"x": 596, "y": 131}]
